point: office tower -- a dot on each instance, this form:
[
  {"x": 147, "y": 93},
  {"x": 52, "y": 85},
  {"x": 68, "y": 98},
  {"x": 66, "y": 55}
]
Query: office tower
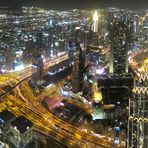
[
  {"x": 39, "y": 40},
  {"x": 37, "y": 61},
  {"x": 54, "y": 45},
  {"x": 95, "y": 21},
  {"x": 78, "y": 70},
  {"x": 119, "y": 38},
  {"x": 82, "y": 37},
  {"x": 76, "y": 73},
  {"x": 138, "y": 114},
  {"x": 132, "y": 34},
  {"x": 52, "y": 42},
  {"x": 9, "y": 59},
  {"x": 136, "y": 24},
  {"x": 49, "y": 40},
  {"x": 95, "y": 49}
]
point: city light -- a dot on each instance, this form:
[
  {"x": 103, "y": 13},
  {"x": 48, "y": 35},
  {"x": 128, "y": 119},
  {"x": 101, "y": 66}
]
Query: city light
[
  {"x": 76, "y": 76},
  {"x": 99, "y": 71},
  {"x": 95, "y": 16},
  {"x": 20, "y": 67}
]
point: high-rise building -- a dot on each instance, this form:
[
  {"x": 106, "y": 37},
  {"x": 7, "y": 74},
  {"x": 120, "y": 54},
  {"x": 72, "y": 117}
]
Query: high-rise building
[
  {"x": 136, "y": 25},
  {"x": 138, "y": 114},
  {"x": 119, "y": 38},
  {"x": 49, "y": 42},
  {"x": 39, "y": 40},
  {"x": 37, "y": 69},
  {"x": 95, "y": 50},
  {"x": 95, "y": 21},
  {"x": 37, "y": 61},
  {"x": 78, "y": 68}
]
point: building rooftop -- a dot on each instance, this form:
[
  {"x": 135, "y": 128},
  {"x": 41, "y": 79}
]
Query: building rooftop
[
  {"x": 6, "y": 116},
  {"x": 21, "y": 124}
]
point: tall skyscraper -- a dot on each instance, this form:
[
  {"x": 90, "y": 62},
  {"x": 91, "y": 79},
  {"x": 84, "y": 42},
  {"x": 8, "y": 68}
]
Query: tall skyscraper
[
  {"x": 138, "y": 114},
  {"x": 78, "y": 70},
  {"x": 95, "y": 21},
  {"x": 119, "y": 38},
  {"x": 37, "y": 69},
  {"x": 76, "y": 73},
  {"x": 37, "y": 61}
]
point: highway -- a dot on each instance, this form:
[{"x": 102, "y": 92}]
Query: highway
[
  {"x": 27, "y": 71},
  {"x": 48, "y": 123},
  {"x": 25, "y": 103},
  {"x": 21, "y": 101}
]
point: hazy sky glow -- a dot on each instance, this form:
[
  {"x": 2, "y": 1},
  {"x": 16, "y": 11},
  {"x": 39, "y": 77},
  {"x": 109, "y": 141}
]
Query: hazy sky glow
[{"x": 65, "y": 4}]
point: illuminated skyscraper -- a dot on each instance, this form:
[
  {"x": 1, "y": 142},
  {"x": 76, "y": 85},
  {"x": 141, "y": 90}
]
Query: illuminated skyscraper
[
  {"x": 95, "y": 21},
  {"x": 119, "y": 37},
  {"x": 78, "y": 70},
  {"x": 76, "y": 73},
  {"x": 37, "y": 61},
  {"x": 138, "y": 114},
  {"x": 37, "y": 69}
]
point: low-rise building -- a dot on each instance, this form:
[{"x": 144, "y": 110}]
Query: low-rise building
[
  {"x": 5, "y": 119},
  {"x": 21, "y": 132}
]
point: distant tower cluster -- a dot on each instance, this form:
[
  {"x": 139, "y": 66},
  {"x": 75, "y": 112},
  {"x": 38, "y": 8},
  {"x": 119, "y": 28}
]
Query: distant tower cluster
[
  {"x": 138, "y": 114},
  {"x": 119, "y": 37},
  {"x": 95, "y": 21}
]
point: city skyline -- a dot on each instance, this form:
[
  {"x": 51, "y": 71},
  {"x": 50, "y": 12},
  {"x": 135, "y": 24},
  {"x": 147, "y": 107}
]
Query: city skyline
[{"x": 76, "y": 77}]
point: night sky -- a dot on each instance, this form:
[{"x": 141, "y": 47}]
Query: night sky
[{"x": 68, "y": 4}]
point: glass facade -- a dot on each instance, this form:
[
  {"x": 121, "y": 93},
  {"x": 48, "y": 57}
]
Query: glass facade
[{"x": 119, "y": 38}]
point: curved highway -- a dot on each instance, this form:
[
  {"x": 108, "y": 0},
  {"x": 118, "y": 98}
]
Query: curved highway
[{"x": 48, "y": 123}]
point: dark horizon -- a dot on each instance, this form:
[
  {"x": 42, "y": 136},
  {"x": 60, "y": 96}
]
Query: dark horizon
[{"x": 76, "y": 4}]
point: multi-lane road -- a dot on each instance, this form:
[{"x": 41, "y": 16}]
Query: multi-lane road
[
  {"x": 49, "y": 124},
  {"x": 22, "y": 101}
]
